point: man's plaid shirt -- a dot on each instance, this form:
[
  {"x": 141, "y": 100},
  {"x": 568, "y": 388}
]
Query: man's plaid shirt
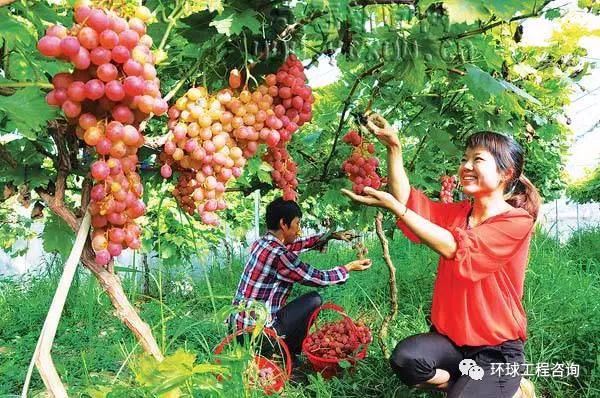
[{"x": 271, "y": 271}]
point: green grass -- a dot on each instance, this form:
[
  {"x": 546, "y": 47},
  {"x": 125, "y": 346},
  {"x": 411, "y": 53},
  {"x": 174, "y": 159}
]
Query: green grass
[{"x": 562, "y": 295}]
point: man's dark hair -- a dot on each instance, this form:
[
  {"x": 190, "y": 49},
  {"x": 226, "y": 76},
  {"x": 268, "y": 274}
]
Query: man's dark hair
[{"x": 282, "y": 209}]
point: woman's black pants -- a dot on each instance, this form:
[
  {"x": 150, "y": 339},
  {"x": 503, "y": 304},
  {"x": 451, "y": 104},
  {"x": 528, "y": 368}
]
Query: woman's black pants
[{"x": 477, "y": 372}]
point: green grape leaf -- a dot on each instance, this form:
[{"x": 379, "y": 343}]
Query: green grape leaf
[
  {"x": 191, "y": 51},
  {"x": 12, "y": 31},
  {"x": 519, "y": 91},
  {"x": 196, "y": 6},
  {"x": 424, "y": 4},
  {"x": 311, "y": 138},
  {"x": 481, "y": 83},
  {"x": 264, "y": 176},
  {"x": 27, "y": 111},
  {"x": 38, "y": 178},
  {"x": 483, "y": 86},
  {"x": 168, "y": 250},
  {"x": 253, "y": 165},
  {"x": 552, "y": 14},
  {"x": 485, "y": 46},
  {"x": 443, "y": 140},
  {"x": 58, "y": 237},
  {"x": 46, "y": 13},
  {"x": 231, "y": 22},
  {"x": 506, "y": 9},
  {"x": 30, "y": 66},
  {"x": 467, "y": 11},
  {"x": 412, "y": 72},
  {"x": 334, "y": 196}
]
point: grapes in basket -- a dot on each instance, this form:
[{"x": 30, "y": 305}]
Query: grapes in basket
[{"x": 337, "y": 340}]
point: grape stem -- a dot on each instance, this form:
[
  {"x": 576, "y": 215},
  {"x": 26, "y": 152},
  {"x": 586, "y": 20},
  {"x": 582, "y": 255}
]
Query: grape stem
[
  {"x": 248, "y": 74},
  {"x": 27, "y": 84},
  {"x": 383, "y": 330},
  {"x": 172, "y": 18},
  {"x": 347, "y": 103},
  {"x": 181, "y": 82}
]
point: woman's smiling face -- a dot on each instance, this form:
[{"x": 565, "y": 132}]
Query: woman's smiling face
[{"x": 478, "y": 172}]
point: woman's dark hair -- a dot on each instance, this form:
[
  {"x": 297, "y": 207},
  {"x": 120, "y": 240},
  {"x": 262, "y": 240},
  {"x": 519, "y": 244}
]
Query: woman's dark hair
[
  {"x": 282, "y": 209},
  {"x": 510, "y": 158}
]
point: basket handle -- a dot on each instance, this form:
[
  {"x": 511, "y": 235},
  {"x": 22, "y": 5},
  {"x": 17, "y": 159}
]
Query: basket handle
[
  {"x": 329, "y": 306},
  {"x": 269, "y": 332}
]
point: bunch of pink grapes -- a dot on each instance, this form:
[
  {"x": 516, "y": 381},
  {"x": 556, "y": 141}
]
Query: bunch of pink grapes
[
  {"x": 112, "y": 88},
  {"x": 211, "y": 136}
]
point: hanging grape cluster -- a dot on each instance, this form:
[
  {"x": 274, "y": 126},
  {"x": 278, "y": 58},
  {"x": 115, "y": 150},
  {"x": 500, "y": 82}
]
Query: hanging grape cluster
[
  {"x": 293, "y": 101},
  {"x": 112, "y": 89},
  {"x": 212, "y": 136},
  {"x": 361, "y": 167},
  {"x": 448, "y": 186}
]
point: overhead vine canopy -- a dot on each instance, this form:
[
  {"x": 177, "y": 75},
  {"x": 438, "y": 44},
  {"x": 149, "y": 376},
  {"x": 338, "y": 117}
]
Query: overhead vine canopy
[{"x": 440, "y": 70}]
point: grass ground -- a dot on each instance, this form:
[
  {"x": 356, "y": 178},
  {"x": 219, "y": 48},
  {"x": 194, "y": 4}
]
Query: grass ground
[{"x": 562, "y": 299}]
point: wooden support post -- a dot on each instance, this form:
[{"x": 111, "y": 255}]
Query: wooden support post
[{"x": 42, "y": 355}]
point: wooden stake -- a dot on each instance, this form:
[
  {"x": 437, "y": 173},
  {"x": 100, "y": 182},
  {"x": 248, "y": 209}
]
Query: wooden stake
[{"x": 41, "y": 356}]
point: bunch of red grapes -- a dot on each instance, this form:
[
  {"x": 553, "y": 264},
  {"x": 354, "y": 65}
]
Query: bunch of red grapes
[
  {"x": 361, "y": 167},
  {"x": 293, "y": 101},
  {"x": 212, "y": 136},
  {"x": 284, "y": 171},
  {"x": 112, "y": 89},
  {"x": 448, "y": 186},
  {"x": 337, "y": 340}
]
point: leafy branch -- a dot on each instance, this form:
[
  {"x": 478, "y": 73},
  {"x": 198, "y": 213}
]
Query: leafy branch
[
  {"x": 347, "y": 102},
  {"x": 289, "y": 30},
  {"x": 383, "y": 330},
  {"x": 364, "y": 3},
  {"x": 485, "y": 28},
  {"x": 451, "y": 103},
  {"x": 172, "y": 18},
  {"x": 36, "y": 144}
]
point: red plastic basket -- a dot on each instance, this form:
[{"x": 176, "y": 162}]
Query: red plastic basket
[
  {"x": 280, "y": 376},
  {"x": 330, "y": 367}
]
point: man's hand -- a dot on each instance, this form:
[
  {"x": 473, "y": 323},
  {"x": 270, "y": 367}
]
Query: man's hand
[
  {"x": 346, "y": 236},
  {"x": 373, "y": 197},
  {"x": 358, "y": 265},
  {"x": 380, "y": 128}
]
